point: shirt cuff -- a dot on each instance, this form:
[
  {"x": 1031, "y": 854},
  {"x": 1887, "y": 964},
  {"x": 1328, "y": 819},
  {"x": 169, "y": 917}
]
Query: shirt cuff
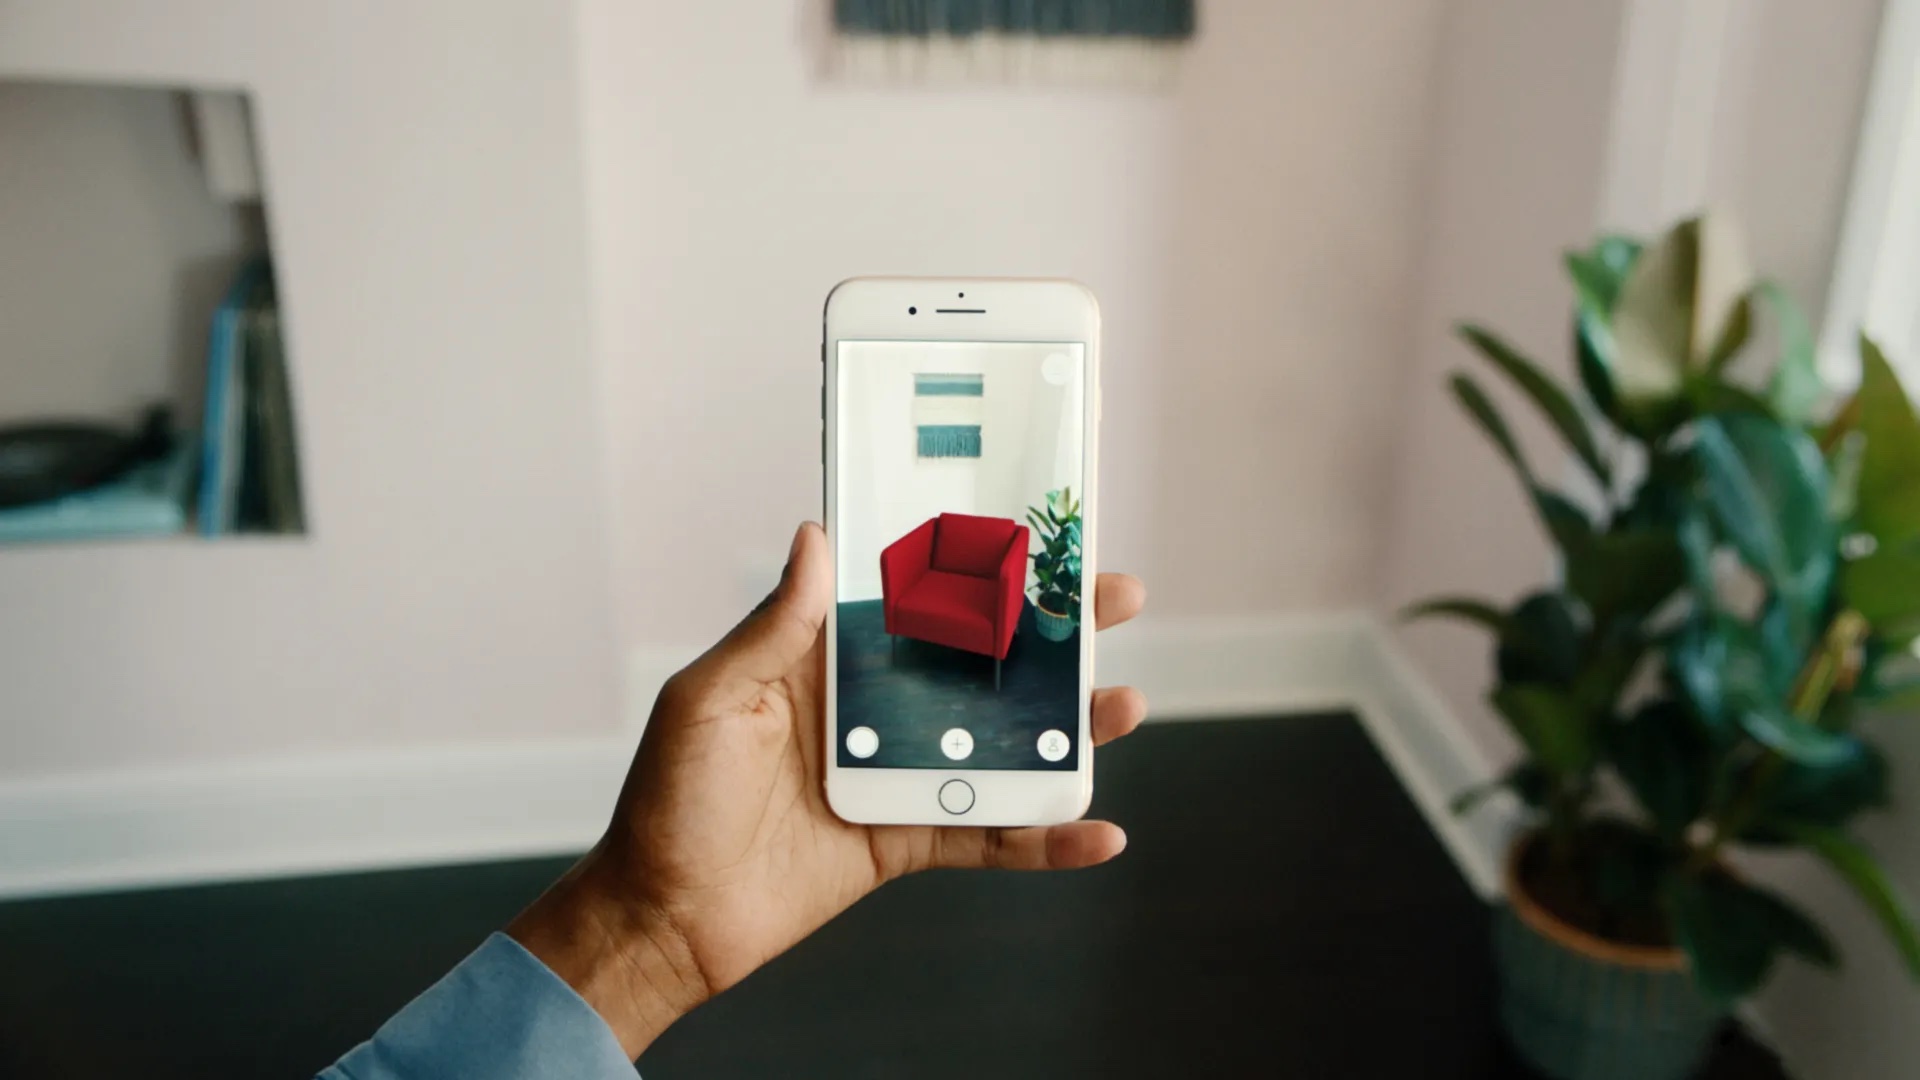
[{"x": 500, "y": 1015}]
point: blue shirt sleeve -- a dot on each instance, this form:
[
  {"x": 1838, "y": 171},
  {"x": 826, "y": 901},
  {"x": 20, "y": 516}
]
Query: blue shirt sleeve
[{"x": 500, "y": 1015}]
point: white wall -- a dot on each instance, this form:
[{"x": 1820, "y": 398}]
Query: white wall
[
  {"x": 1251, "y": 235},
  {"x": 422, "y": 163},
  {"x": 1521, "y": 109},
  {"x": 1030, "y": 433},
  {"x": 1791, "y": 100},
  {"x": 112, "y": 252}
]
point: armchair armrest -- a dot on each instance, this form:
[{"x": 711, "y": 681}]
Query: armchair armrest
[
  {"x": 902, "y": 563},
  {"x": 1011, "y": 590}
]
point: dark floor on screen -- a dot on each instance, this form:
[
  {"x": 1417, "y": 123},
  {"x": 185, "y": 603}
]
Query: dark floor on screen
[{"x": 911, "y": 692}]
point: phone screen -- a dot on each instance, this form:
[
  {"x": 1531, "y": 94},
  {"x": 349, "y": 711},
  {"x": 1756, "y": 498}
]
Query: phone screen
[{"x": 957, "y": 538}]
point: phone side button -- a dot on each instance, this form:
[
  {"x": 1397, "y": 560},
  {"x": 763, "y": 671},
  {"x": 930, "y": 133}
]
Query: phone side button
[{"x": 956, "y": 796}]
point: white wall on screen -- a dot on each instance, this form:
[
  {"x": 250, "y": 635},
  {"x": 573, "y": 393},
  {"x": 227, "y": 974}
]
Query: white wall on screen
[{"x": 1029, "y": 437}]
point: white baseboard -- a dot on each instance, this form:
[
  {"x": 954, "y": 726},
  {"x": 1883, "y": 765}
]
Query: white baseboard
[{"x": 375, "y": 809}]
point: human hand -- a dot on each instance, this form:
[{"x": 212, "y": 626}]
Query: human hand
[{"x": 722, "y": 852}]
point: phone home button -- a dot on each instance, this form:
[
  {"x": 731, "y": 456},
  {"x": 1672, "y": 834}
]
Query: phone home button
[{"x": 956, "y": 796}]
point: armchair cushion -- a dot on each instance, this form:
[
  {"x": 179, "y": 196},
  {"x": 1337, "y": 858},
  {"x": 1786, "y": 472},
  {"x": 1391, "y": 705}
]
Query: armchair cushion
[
  {"x": 949, "y": 609},
  {"x": 965, "y": 544}
]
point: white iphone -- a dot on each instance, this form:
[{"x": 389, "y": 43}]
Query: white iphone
[{"x": 961, "y": 497}]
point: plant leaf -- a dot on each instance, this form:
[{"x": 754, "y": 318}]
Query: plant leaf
[
  {"x": 1732, "y": 931},
  {"x": 1459, "y": 607},
  {"x": 1565, "y": 522},
  {"x": 1721, "y": 670},
  {"x": 1722, "y": 280},
  {"x": 1653, "y": 319},
  {"x": 1844, "y": 459},
  {"x": 1889, "y": 494},
  {"x": 1627, "y": 863},
  {"x": 1884, "y": 587},
  {"x": 1481, "y": 409},
  {"x": 1632, "y": 571},
  {"x": 1721, "y": 935},
  {"x": 1542, "y": 643},
  {"x": 1598, "y": 272},
  {"x": 1525, "y": 779},
  {"x": 1796, "y": 391},
  {"x": 1827, "y": 796},
  {"x": 1695, "y": 538},
  {"x": 1794, "y": 932},
  {"x": 1593, "y": 347},
  {"x": 1550, "y": 724},
  {"x": 1546, "y": 394},
  {"x": 1469, "y": 800},
  {"x": 1733, "y": 336},
  {"x": 1609, "y": 669},
  {"x": 1793, "y": 738},
  {"x": 1845, "y": 422},
  {"x": 1711, "y": 394},
  {"x": 1594, "y": 285},
  {"x": 1782, "y": 645},
  {"x": 1696, "y": 660},
  {"x": 1666, "y": 760},
  {"x": 1767, "y": 488},
  {"x": 1863, "y": 873}
]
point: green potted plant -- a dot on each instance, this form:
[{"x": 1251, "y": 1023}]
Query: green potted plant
[
  {"x": 1056, "y": 566},
  {"x": 1739, "y": 594}
]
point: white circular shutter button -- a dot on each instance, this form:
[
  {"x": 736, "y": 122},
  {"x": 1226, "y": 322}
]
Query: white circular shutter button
[
  {"x": 862, "y": 742},
  {"x": 1054, "y": 745},
  {"x": 957, "y": 744}
]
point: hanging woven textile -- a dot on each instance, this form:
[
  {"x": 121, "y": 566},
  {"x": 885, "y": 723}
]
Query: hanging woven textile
[
  {"x": 1159, "y": 20},
  {"x": 1133, "y": 41}
]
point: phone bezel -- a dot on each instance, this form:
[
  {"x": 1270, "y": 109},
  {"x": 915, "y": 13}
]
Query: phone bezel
[{"x": 993, "y": 309}]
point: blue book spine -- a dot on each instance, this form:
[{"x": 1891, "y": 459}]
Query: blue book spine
[{"x": 223, "y": 364}]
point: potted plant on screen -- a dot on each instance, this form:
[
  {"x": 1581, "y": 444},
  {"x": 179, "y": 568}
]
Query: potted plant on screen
[
  {"x": 1739, "y": 598},
  {"x": 1056, "y": 566}
]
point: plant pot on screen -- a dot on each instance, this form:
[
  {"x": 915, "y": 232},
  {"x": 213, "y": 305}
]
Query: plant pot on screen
[
  {"x": 1056, "y": 566},
  {"x": 1738, "y": 598}
]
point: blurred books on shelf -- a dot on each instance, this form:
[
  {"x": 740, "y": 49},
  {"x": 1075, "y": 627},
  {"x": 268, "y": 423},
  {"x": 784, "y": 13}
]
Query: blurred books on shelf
[
  {"x": 249, "y": 479},
  {"x": 148, "y": 500},
  {"x": 239, "y": 474}
]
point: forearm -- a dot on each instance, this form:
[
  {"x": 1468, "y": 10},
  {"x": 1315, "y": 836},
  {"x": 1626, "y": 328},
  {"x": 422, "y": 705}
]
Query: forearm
[
  {"x": 576, "y": 988},
  {"x": 624, "y": 960}
]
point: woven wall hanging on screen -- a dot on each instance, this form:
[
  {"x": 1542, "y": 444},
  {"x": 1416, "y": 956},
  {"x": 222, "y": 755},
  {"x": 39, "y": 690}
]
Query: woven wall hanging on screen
[{"x": 1131, "y": 42}]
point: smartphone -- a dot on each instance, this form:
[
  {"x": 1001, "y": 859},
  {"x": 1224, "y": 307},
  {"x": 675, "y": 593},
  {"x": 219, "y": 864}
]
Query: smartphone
[{"x": 960, "y": 422}]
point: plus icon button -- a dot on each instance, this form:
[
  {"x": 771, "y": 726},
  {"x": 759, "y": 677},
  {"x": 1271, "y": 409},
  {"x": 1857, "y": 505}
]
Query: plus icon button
[{"x": 956, "y": 744}]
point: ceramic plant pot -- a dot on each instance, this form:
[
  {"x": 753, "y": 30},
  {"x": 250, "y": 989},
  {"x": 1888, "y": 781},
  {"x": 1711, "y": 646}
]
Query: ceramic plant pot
[
  {"x": 1052, "y": 627},
  {"x": 1578, "y": 1007}
]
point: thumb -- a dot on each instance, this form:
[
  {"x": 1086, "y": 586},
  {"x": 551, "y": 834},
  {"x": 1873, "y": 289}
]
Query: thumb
[{"x": 782, "y": 630}]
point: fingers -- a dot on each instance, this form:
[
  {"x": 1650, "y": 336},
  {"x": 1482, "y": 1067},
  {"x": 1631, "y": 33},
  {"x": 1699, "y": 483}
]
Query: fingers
[
  {"x": 1072, "y": 846},
  {"x": 778, "y": 634},
  {"x": 1116, "y": 712},
  {"x": 1116, "y": 598}
]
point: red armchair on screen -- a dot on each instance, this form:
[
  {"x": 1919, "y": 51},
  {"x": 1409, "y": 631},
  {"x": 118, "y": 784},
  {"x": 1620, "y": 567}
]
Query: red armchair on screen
[{"x": 959, "y": 581}]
